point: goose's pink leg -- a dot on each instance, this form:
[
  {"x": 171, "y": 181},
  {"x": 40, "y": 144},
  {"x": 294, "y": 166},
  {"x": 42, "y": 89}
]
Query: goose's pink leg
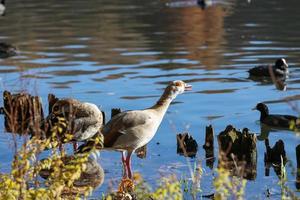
[
  {"x": 128, "y": 164},
  {"x": 124, "y": 164},
  {"x": 75, "y": 146}
]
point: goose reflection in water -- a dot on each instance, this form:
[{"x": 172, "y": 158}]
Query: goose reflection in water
[{"x": 92, "y": 176}]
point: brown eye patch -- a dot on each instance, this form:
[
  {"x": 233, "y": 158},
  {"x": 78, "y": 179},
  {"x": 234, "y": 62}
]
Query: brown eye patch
[{"x": 178, "y": 84}]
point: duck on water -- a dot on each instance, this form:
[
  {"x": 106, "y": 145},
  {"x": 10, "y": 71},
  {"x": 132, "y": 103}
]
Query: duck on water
[
  {"x": 279, "y": 69},
  {"x": 275, "y": 120},
  {"x": 7, "y": 50},
  {"x": 2, "y": 8}
]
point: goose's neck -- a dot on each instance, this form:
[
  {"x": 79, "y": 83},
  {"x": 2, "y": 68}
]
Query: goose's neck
[
  {"x": 3, "y": 2},
  {"x": 164, "y": 101}
]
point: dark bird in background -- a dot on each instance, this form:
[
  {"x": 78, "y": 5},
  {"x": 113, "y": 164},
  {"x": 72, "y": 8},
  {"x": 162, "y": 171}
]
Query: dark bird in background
[
  {"x": 279, "y": 69},
  {"x": 204, "y": 3},
  {"x": 2, "y": 8},
  {"x": 7, "y": 50},
  {"x": 275, "y": 120}
]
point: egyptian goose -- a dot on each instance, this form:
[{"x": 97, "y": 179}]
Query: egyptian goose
[
  {"x": 130, "y": 130},
  {"x": 280, "y": 121},
  {"x": 84, "y": 119},
  {"x": 2, "y": 7},
  {"x": 279, "y": 69}
]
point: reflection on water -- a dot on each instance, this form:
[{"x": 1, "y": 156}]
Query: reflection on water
[
  {"x": 92, "y": 176},
  {"x": 122, "y": 53}
]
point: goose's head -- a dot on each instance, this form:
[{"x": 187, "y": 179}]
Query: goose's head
[
  {"x": 281, "y": 64},
  {"x": 178, "y": 87},
  {"x": 172, "y": 90}
]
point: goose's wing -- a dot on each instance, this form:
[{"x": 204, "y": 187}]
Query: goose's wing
[{"x": 122, "y": 124}]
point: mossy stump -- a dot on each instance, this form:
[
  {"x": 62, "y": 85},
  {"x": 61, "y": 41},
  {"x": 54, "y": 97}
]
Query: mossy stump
[
  {"x": 209, "y": 146},
  {"x": 274, "y": 156},
  {"x": 238, "y": 148},
  {"x": 298, "y": 166},
  {"x": 23, "y": 113},
  {"x": 186, "y": 145}
]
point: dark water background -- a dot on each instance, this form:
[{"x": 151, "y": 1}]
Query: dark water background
[{"x": 122, "y": 54}]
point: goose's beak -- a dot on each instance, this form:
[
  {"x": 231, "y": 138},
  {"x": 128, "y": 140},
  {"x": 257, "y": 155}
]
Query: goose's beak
[
  {"x": 254, "y": 108},
  {"x": 187, "y": 87}
]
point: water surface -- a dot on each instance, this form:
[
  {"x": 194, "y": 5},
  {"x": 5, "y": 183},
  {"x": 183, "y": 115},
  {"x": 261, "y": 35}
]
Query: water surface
[{"x": 123, "y": 53}]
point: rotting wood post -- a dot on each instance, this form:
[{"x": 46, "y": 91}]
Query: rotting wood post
[
  {"x": 23, "y": 113},
  {"x": 103, "y": 117},
  {"x": 274, "y": 156},
  {"x": 141, "y": 152},
  {"x": 52, "y": 99},
  {"x": 298, "y": 166},
  {"x": 186, "y": 145},
  {"x": 209, "y": 146},
  {"x": 238, "y": 148},
  {"x": 115, "y": 111}
]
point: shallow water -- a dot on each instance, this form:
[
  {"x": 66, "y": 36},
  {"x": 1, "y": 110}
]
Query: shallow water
[{"x": 123, "y": 53}]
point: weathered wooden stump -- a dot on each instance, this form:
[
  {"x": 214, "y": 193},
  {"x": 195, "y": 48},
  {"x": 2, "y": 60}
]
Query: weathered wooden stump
[
  {"x": 52, "y": 99},
  {"x": 186, "y": 145},
  {"x": 298, "y": 167},
  {"x": 115, "y": 111},
  {"x": 274, "y": 157},
  {"x": 238, "y": 149},
  {"x": 23, "y": 113},
  {"x": 140, "y": 152},
  {"x": 209, "y": 146}
]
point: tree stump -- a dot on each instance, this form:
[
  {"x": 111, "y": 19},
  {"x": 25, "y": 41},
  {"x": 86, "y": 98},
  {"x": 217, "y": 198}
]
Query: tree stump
[
  {"x": 209, "y": 146},
  {"x": 23, "y": 113},
  {"x": 52, "y": 99},
  {"x": 274, "y": 157},
  {"x": 298, "y": 167},
  {"x": 115, "y": 111},
  {"x": 238, "y": 149},
  {"x": 186, "y": 145}
]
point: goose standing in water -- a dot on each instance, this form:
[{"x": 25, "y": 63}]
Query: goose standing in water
[
  {"x": 84, "y": 119},
  {"x": 130, "y": 130},
  {"x": 2, "y": 8}
]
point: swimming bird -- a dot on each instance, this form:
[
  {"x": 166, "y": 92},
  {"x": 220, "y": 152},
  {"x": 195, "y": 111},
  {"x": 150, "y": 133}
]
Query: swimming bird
[
  {"x": 84, "y": 119},
  {"x": 7, "y": 50},
  {"x": 204, "y": 3},
  {"x": 2, "y": 8},
  {"x": 280, "y": 68},
  {"x": 275, "y": 120},
  {"x": 130, "y": 130}
]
